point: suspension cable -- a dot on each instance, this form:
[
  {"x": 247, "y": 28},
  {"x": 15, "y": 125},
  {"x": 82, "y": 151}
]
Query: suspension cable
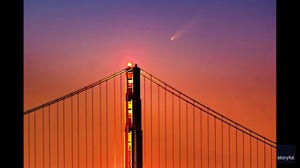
[
  {"x": 76, "y": 92},
  {"x": 201, "y": 106}
]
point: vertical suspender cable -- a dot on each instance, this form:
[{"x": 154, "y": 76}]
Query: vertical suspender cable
[
  {"x": 250, "y": 136},
  {"x": 121, "y": 118},
  {"x": 186, "y": 120},
  {"x": 151, "y": 118},
  {"x": 78, "y": 129},
  {"x": 100, "y": 122},
  {"x": 271, "y": 157},
  {"x": 43, "y": 115},
  {"x": 179, "y": 137},
  {"x": 93, "y": 127},
  {"x": 144, "y": 113},
  {"x": 173, "y": 130},
  {"x": 193, "y": 134},
  {"x": 72, "y": 159},
  {"x": 165, "y": 126},
  {"x": 257, "y": 153},
  {"x": 207, "y": 139},
  {"x": 34, "y": 117},
  {"x": 64, "y": 144},
  {"x": 243, "y": 151},
  {"x": 29, "y": 140},
  {"x": 264, "y": 153},
  {"x": 236, "y": 149},
  {"x": 215, "y": 142},
  {"x": 201, "y": 138},
  {"x": 49, "y": 137},
  {"x": 222, "y": 134},
  {"x": 57, "y": 132},
  {"x": 229, "y": 144},
  {"x": 115, "y": 122},
  {"x": 106, "y": 106},
  {"x": 86, "y": 131},
  {"x": 158, "y": 130}
]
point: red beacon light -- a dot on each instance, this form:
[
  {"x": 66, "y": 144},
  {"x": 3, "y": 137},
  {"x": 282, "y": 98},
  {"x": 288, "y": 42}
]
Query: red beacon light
[{"x": 129, "y": 65}]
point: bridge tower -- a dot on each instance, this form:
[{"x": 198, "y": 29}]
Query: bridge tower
[{"x": 133, "y": 129}]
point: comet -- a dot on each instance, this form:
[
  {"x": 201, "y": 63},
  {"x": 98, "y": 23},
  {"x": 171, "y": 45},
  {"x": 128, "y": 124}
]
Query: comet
[
  {"x": 185, "y": 28},
  {"x": 178, "y": 34}
]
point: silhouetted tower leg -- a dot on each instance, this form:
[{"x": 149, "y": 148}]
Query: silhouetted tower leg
[
  {"x": 133, "y": 131},
  {"x": 137, "y": 123}
]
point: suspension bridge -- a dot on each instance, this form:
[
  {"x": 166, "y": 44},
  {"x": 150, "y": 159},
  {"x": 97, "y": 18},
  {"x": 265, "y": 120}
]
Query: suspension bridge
[{"x": 133, "y": 119}]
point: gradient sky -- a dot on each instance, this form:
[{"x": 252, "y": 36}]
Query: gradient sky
[{"x": 224, "y": 54}]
